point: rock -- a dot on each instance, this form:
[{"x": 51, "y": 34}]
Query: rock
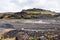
[{"x": 22, "y": 36}]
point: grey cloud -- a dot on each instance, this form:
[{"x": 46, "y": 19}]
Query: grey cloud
[{"x": 17, "y": 5}]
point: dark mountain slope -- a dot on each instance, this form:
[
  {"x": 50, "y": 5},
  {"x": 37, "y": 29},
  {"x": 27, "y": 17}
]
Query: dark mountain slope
[{"x": 29, "y": 14}]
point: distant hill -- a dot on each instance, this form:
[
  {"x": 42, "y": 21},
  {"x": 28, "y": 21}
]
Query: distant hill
[
  {"x": 29, "y": 14},
  {"x": 38, "y": 11}
]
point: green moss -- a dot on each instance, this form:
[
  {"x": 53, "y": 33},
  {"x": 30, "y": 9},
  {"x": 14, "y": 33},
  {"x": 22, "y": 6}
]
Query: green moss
[{"x": 32, "y": 38}]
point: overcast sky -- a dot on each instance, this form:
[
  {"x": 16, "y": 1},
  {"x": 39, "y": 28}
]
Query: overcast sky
[{"x": 18, "y": 5}]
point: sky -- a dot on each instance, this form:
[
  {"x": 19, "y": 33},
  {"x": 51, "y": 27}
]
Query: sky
[{"x": 18, "y": 5}]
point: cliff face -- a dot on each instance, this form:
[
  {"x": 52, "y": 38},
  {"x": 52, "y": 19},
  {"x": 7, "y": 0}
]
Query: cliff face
[{"x": 29, "y": 14}]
